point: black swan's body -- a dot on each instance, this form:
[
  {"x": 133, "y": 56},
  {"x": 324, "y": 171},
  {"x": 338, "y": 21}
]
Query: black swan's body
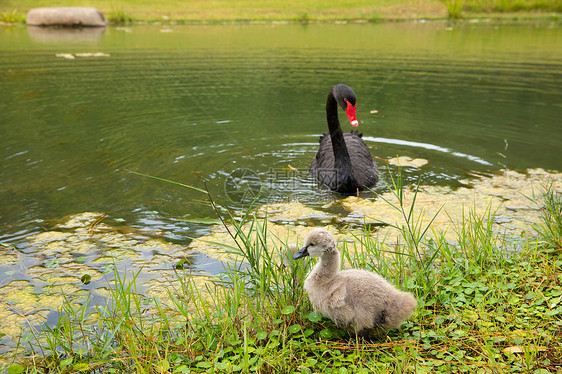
[{"x": 343, "y": 163}]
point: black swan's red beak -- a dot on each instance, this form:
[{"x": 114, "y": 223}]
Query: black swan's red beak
[{"x": 350, "y": 111}]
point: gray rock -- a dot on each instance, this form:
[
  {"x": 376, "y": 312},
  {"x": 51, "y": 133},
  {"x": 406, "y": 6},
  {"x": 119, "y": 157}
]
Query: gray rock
[{"x": 66, "y": 16}]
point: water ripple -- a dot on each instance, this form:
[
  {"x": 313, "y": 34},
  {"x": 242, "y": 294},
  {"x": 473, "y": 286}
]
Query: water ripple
[{"x": 432, "y": 147}]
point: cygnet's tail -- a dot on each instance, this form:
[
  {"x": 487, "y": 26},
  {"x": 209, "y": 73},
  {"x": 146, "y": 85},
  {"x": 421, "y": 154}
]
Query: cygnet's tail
[{"x": 404, "y": 305}]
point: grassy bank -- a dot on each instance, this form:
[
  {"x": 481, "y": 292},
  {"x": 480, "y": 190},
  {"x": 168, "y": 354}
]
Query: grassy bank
[
  {"x": 123, "y": 11},
  {"x": 485, "y": 305}
]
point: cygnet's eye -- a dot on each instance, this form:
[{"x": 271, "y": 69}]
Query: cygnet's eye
[{"x": 311, "y": 245}]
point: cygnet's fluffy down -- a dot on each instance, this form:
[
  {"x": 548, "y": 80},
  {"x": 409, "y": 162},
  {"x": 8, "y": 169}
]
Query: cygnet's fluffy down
[{"x": 357, "y": 299}]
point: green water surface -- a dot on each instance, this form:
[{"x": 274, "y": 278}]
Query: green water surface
[{"x": 193, "y": 103}]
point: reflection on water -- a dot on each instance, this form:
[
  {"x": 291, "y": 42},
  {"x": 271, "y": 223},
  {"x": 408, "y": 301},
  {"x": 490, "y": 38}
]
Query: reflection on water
[
  {"x": 65, "y": 34},
  {"x": 428, "y": 146}
]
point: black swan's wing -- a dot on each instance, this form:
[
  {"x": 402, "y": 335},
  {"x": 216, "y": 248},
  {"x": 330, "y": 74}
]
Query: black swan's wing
[
  {"x": 364, "y": 171},
  {"x": 322, "y": 166},
  {"x": 324, "y": 158}
]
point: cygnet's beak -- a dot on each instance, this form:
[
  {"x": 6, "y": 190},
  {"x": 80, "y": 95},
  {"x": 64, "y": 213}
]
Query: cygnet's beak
[{"x": 303, "y": 252}]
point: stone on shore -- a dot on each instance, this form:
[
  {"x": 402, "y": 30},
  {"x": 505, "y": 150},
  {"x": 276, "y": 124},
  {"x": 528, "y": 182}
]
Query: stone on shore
[{"x": 66, "y": 16}]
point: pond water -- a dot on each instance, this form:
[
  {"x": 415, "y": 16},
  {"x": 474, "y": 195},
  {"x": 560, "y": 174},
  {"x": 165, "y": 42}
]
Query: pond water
[
  {"x": 241, "y": 107},
  {"x": 198, "y": 102}
]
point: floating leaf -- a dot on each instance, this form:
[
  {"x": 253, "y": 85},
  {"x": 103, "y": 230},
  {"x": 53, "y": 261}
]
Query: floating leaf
[
  {"x": 107, "y": 268},
  {"x": 86, "y": 278},
  {"x": 51, "y": 263},
  {"x": 183, "y": 263}
]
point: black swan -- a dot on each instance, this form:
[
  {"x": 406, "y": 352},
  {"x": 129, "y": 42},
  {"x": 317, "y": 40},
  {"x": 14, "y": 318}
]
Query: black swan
[{"x": 343, "y": 163}]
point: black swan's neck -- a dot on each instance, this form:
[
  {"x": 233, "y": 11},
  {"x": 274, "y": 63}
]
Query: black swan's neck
[{"x": 341, "y": 155}]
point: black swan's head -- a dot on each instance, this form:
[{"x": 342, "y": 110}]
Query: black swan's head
[{"x": 346, "y": 99}]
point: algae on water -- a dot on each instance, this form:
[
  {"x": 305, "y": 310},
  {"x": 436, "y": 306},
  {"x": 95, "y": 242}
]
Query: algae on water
[{"x": 507, "y": 195}]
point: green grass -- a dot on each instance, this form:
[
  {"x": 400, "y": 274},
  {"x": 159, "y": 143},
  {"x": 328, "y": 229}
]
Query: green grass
[
  {"x": 454, "y": 8},
  {"x": 127, "y": 11},
  {"x": 483, "y": 307},
  {"x": 12, "y": 17},
  {"x": 247, "y": 10},
  {"x": 551, "y": 228},
  {"x": 483, "y": 6},
  {"x": 120, "y": 18}
]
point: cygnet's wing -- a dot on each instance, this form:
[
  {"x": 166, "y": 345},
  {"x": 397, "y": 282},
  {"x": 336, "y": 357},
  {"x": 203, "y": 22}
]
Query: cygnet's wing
[
  {"x": 348, "y": 286},
  {"x": 337, "y": 297},
  {"x": 361, "y": 284}
]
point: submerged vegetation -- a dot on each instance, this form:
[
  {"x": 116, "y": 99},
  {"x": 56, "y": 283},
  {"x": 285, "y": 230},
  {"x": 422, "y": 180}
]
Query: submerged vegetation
[{"x": 485, "y": 305}]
